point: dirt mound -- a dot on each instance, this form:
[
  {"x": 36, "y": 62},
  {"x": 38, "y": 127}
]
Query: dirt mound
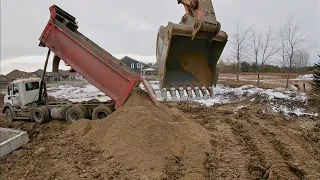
[
  {"x": 54, "y": 154},
  {"x": 153, "y": 140}
]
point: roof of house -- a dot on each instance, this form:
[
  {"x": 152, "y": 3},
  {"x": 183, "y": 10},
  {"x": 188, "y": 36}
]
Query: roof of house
[
  {"x": 15, "y": 74},
  {"x": 3, "y": 78},
  {"x": 63, "y": 72},
  {"x": 53, "y": 74},
  {"x": 39, "y": 72}
]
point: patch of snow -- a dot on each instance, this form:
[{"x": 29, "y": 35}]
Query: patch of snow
[
  {"x": 306, "y": 77},
  {"x": 90, "y": 89},
  {"x": 75, "y": 93},
  {"x": 273, "y": 94},
  {"x": 285, "y": 102}
]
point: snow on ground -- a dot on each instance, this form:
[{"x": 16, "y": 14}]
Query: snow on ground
[
  {"x": 306, "y": 77},
  {"x": 285, "y": 102},
  {"x": 73, "y": 93}
]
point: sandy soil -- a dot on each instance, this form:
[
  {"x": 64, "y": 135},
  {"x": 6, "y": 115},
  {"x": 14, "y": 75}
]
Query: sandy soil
[{"x": 237, "y": 143}]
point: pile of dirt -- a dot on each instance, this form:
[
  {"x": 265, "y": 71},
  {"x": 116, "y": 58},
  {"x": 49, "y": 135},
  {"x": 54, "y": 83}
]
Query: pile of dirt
[
  {"x": 152, "y": 140},
  {"x": 54, "y": 154}
]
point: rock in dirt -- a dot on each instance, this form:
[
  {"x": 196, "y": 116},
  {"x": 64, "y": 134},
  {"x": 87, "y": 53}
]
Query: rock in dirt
[
  {"x": 143, "y": 136},
  {"x": 40, "y": 151}
]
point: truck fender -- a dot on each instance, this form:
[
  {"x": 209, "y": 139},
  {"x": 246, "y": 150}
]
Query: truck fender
[{"x": 8, "y": 105}]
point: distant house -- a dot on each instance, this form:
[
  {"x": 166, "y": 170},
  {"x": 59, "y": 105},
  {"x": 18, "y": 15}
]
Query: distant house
[
  {"x": 65, "y": 75},
  {"x": 74, "y": 75},
  {"x": 53, "y": 77},
  {"x": 150, "y": 73},
  {"x": 3, "y": 83},
  {"x": 50, "y": 77},
  {"x": 134, "y": 64},
  {"x": 17, "y": 74}
]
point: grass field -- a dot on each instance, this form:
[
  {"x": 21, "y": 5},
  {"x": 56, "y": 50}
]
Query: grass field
[{"x": 267, "y": 80}]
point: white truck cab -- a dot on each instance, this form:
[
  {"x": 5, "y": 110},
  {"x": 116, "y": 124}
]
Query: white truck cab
[
  {"x": 23, "y": 91},
  {"x": 20, "y": 93}
]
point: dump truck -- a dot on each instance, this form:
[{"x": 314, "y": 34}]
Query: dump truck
[
  {"x": 187, "y": 54},
  {"x": 26, "y": 98}
]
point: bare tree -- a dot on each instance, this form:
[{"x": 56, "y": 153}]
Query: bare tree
[
  {"x": 256, "y": 45},
  {"x": 269, "y": 48},
  {"x": 239, "y": 47},
  {"x": 263, "y": 46},
  {"x": 301, "y": 60},
  {"x": 292, "y": 41}
]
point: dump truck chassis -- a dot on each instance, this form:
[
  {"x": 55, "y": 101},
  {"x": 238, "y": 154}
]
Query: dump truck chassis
[{"x": 61, "y": 111}]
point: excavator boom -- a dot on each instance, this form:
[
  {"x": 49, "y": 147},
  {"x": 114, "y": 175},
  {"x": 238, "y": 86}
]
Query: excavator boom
[{"x": 187, "y": 53}]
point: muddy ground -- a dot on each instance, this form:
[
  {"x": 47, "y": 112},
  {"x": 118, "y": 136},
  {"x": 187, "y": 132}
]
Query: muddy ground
[{"x": 247, "y": 143}]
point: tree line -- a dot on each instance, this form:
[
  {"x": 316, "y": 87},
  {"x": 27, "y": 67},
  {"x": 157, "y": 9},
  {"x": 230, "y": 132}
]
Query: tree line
[
  {"x": 251, "y": 67},
  {"x": 251, "y": 50}
]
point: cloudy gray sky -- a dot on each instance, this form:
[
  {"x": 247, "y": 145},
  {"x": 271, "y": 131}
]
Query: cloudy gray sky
[{"x": 130, "y": 27}]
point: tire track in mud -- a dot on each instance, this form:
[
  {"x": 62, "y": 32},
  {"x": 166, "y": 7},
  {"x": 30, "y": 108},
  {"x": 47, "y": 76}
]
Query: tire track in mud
[
  {"x": 232, "y": 156},
  {"x": 228, "y": 159},
  {"x": 295, "y": 151},
  {"x": 251, "y": 145},
  {"x": 270, "y": 153}
]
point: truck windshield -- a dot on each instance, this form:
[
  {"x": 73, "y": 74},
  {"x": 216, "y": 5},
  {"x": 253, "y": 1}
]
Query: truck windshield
[{"x": 32, "y": 86}]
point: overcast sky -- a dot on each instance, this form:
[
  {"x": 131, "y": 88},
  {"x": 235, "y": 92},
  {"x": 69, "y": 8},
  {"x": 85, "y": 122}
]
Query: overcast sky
[{"x": 130, "y": 27}]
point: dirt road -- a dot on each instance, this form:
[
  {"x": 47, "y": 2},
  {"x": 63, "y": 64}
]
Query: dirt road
[{"x": 247, "y": 143}]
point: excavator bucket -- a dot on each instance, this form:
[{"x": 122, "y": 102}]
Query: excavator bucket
[{"x": 187, "y": 61}]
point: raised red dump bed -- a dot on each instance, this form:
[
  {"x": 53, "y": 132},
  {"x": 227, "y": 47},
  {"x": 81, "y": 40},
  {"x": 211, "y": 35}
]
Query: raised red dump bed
[{"x": 99, "y": 67}]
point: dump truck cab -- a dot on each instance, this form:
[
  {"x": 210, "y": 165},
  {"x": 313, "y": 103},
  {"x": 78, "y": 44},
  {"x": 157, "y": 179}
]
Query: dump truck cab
[{"x": 22, "y": 92}]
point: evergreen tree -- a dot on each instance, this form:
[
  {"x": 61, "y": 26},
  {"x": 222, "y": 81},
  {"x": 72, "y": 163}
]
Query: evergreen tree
[{"x": 316, "y": 77}]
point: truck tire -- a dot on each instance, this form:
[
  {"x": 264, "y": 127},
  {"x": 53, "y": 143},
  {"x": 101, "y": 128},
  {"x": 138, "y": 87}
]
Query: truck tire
[
  {"x": 9, "y": 115},
  {"x": 76, "y": 113},
  {"x": 101, "y": 112},
  {"x": 41, "y": 115}
]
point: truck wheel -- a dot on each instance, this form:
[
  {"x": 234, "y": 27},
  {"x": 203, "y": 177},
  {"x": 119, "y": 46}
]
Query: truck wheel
[
  {"x": 101, "y": 112},
  {"x": 41, "y": 115},
  {"x": 9, "y": 115},
  {"x": 76, "y": 113}
]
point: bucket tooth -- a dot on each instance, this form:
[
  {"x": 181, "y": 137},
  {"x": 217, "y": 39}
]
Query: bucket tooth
[
  {"x": 204, "y": 92},
  {"x": 190, "y": 93},
  {"x": 164, "y": 94},
  {"x": 181, "y": 94},
  {"x": 173, "y": 94},
  {"x": 197, "y": 93},
  {"x": 211, "y": 92}
]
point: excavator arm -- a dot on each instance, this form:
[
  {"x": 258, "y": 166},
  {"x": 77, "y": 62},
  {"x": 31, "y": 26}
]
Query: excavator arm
[{"x": 187, "y": 53}]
